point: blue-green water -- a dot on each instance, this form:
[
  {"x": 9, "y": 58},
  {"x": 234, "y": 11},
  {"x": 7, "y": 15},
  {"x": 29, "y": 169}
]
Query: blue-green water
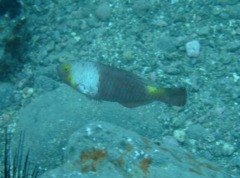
[{"x": 147, "y": 38}]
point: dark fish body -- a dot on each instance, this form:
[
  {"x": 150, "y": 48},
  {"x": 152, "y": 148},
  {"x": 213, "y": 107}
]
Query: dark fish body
[
  {"x": 107, "y": 83},
  {"x": 121, "y": 86}
]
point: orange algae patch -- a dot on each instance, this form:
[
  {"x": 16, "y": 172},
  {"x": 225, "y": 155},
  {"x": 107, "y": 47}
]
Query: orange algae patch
[
  {"x": 144, "y": 164},
  {"x": 129, "y": 147},
  {"x": 120, "y": 161},
  {"x": 90, "y": 159}
]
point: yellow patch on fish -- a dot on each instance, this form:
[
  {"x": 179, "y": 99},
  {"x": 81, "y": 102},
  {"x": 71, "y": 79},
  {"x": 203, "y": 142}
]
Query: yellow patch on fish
[
  {"x": 155, "y": 92},
  {"x": 65, "y": 72}
]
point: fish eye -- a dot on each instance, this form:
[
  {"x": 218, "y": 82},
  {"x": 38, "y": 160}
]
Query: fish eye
[{"x": 66, "y": 68}]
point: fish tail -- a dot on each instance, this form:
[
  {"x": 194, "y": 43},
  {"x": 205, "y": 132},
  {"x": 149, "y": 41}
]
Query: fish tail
[{"x": 171, "y": 96}]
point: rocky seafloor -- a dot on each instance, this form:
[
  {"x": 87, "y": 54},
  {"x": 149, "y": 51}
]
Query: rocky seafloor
[{"x": 148, "y": 38}]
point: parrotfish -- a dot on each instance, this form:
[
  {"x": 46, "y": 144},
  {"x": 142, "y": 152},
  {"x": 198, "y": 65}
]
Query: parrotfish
[{"x": 103, "y": 82}]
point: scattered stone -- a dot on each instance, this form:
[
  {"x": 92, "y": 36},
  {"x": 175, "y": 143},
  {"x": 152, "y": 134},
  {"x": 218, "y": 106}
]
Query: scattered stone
[
  {"x": 179, "y": 135},
  {"x": 233, "y": 46},
  {"x": 127, "y": 55},
  {"x": 217, "y": 10},
  {"x": 210, "y": 138},
  {"x": 165, "y": 44},
  {"x": 50, "y": 47},
  {"x": 235, "y": 161},
  {"x": 204, "y": 31},
  {"x": 233, "y": 11},
  {"x": 193, "y": 48},
  {"x": 196, "y": 131},
  {"x": 103, "y": 11},
  {"x": 141, "y": 6},
  {"x": 27, "y": 92},
  {"x": 227, "y": 149}
]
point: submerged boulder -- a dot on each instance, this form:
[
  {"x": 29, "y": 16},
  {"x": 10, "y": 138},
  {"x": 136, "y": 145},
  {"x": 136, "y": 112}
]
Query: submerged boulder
[
  {"x": 50, "y": 119},
  {"x": 100, "y": 149}
]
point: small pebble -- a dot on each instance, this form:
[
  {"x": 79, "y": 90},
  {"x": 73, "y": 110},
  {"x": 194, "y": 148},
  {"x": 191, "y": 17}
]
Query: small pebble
[
  {"x": 27, "y": 92},
  {"x": 179, "y": 135},
  {"x": 193, "y": 48},
  {"x": 227, "y": 149},
  {"x": 103, "y": 11}
]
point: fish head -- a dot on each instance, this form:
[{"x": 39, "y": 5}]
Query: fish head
[
  {"x": 81, "y": 75},
  {"x": 64, "y": 72}
]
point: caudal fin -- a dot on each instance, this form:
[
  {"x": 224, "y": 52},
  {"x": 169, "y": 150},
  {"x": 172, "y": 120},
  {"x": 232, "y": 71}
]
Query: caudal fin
[
  {"x": 171, "y": 96},
  {"x": 174, "y": 96}
]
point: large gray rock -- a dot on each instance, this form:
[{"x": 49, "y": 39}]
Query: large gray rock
[
  {"x": 104, "y": 150},
  {"x": 50, "y": 119}
]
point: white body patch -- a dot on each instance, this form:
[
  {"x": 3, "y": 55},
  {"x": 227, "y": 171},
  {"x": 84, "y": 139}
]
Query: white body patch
[{"x": 85, "y": 77}]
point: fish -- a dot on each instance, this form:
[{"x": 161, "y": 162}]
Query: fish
[{"x": 103, "y": 82}]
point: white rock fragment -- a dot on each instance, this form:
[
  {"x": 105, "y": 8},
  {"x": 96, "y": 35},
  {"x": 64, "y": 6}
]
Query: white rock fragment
[
  {"x": 227, "y": 149},
  {"x": 77, "y": 38},
  {"x": 136, "y": 154},
  {"x": 193, "y": 48},
  {"x": 179, "y": 135},
  {"x": 27, "y": 92},
  {"x": 89, "y": 131},
  {"x": 99, "y": 126},
  {"x": 236, "y": 77},
  {"x": 129, "y": 140}
]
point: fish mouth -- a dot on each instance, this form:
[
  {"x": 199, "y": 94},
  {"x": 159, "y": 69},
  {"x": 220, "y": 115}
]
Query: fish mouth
[{"x": 63, "y": 71}]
